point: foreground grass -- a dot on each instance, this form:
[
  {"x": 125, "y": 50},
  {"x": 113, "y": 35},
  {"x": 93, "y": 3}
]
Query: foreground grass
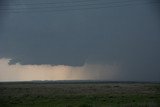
[{"x": 79, "y": 95}]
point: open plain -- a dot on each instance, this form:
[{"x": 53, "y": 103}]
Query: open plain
[{"x": 79, "y": 94}]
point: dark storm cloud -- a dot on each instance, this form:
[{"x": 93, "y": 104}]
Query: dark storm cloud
[
  {"x": 156, "y": 6},
  {"x": 2, "y": 3},
  {"x": 157, "y": 3},
  {"x": 2, "y": 11},
  {"x": 127, "y": 35}
]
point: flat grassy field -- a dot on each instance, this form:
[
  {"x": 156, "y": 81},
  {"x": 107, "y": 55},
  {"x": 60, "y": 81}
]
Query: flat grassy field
[{"x": 91, "y": 94}]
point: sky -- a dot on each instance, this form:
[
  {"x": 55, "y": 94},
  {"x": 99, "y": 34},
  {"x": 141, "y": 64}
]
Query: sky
[{"x": 116, "y": 40}]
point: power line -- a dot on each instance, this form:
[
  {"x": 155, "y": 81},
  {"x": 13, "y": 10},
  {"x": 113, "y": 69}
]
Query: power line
[
  {"x": 74, "y": 5},
  {"x": 85, "y": 6},
  {"x": 69, "y": 3},
  {"x": 49, "y": 3}
]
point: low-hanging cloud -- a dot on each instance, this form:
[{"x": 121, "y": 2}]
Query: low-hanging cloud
[{"x": 20, "y": 72}]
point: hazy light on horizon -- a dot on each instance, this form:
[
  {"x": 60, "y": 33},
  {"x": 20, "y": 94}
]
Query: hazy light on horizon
[{"x": 20, "y": 72}]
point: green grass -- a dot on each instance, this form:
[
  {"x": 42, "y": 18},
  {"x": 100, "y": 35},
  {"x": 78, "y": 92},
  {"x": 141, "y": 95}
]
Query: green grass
[{"x": 79, "y": 95}]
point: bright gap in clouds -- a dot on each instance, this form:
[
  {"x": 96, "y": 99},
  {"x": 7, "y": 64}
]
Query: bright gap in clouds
[{"x": 20, "y": 72}]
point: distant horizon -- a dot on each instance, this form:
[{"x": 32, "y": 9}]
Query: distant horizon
[{"x": 83, "y": 81}]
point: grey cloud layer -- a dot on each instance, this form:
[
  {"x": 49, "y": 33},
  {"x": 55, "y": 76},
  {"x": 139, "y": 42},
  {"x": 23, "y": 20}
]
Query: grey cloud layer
[{"x": 128, "y": 35}]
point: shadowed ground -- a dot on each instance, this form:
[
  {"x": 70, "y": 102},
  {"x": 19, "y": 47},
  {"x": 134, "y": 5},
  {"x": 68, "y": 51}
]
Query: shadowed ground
[{"x": 51, "y": 94}]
